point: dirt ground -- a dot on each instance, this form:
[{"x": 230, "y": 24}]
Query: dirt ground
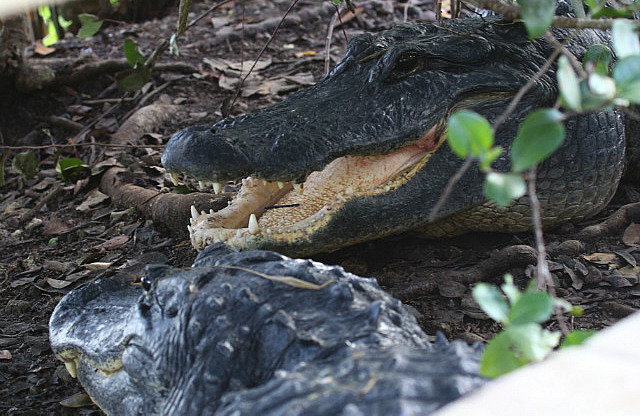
[{"x": 74, "y": 235}]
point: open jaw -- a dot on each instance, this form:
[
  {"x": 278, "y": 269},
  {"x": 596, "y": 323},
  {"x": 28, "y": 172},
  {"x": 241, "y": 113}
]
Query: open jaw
[{"x": 284, "y": 214}]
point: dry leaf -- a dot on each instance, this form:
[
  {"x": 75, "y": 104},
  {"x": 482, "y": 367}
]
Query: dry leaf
[
  {"x": 97, "y": 266},
  {"x": 631, "y": 236},
  {"x": 630, "y": 272},
  {"x": 115, "y": 242},
  {"x": 600, "y": 258},
  {"x": 93, "y": 199},
  {"x": 57, "y": 283},
  {"x": 40, "y": 49},
  {"x": 77, "y": 400},
  {"x": 305, "y": 53}
]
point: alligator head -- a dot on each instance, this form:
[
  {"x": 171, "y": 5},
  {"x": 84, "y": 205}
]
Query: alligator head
[
  {"x": 254, "y": 333},
  {"x": 360, "y": 155}
]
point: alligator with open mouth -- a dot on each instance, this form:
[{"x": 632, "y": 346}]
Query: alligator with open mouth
[
  {"x": 360, "y": 155},
  {"x": 255, "y": 333}
]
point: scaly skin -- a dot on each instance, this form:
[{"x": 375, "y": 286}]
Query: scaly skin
[
  {"x": 366, "y": 143},
  {"x": 221, "y": 338}
]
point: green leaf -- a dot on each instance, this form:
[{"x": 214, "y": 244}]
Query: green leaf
[
  {"x": 69, "y": 168},
  {"x": 133, "y": 54},
  {"x": 602, "y": 85},
  {"x": 133, "y": 79},
  {"x": 531, "y": 307},
  {"x": 576, "y": 337},
  {"x": 499, "y": 357},
  {"x": 502, "y": 188},
  {"x": 532, "y": 341},
  {"x": 509, "y": 289},
  {"x": 627, "y": 77},
  {"x": 600, "y": 56},
  {"x": 539, "y": 136},
  {"x": 90, "y": 25},
  {"x": 26, "y": 164},
  {"x": 569, "y": 85},
  {"x": 625, "y": 38},
  {"x": 487, "y": 158},
  {"x": 468, "y": 133},
  {"x": 491, "y": 301},
  {"x": 537, "y": 15}
]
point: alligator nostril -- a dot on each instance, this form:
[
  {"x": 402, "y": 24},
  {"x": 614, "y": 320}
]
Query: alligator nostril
[{"x": 213, "y": 130}]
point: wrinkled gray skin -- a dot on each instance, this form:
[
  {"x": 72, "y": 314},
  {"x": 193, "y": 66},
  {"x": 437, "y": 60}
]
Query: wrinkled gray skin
[
  {"x": 214, "y": 340},
  {"x": 389, "y": 90}
]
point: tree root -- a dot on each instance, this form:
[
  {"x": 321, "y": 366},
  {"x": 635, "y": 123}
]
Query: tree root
[
  {"x": 615, "y": 224},
  {"x": 170, "y": 210}
]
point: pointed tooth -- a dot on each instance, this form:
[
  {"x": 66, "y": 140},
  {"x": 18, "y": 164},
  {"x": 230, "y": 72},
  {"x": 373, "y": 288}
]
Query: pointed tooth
[
  {"x": 217, "y": 187},
  {"x": 280, "y": 184},
  {"x": 211, "y": 211},
  {"x": 264, "y": 182},
  {"x": 190, "y": 228},
  {"x": 253, "y": 224},
  {"x": 203, "y": 213},
  {"x": 298, "y": 188},
  {"x": 72, "y": 368},
  {"x": 239, "y": 233},
  {"x": 194, "y": 213},
  {"x": 174, "y": 178},
  {"x": 201, "y": 184}
]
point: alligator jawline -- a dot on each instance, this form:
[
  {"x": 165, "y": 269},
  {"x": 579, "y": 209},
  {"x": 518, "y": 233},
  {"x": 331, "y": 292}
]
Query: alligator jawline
[{"x": 273, "y": 210}]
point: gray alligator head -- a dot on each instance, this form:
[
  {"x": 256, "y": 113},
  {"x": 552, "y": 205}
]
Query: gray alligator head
[
  {"x": 225, "y": 338},
  {"x": 360, "y": 155}
]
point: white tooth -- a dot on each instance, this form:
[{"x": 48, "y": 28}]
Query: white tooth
[
  {"x": 280, "y": 184},
  {"x": 264, "y": 182},
  {"x": 71, "y": 368},
  {"x": 253, "y": 224},
  {"x": 211, "y": 211},
  {"x": 194, "y": 213},
  {"x": 244, "y": 181},
  {"x": 298, "y": 188},
  {"x": 238, "y": 233},
  {"x": 203, "y": 213},
  {"x": 190, "y": 228},
  {"x": 174, "y": 178},
  {"x": 201, "y": 184},
  {"x": 217, "y": 187}
]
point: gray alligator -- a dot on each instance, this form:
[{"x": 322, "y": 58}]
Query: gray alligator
[
  {"x": 255, "y": 333},
  {"x": 360, "y": 155}
]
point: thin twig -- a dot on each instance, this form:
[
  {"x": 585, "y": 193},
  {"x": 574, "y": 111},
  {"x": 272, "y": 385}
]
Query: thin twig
[
  {"x": 525, "y": 88},
  {"x": 447, "y": 190},
  {"x": 203, "y": 15},
  {"x": 68, "y": 145},
  {"x": 327, "y": 44},
  {"x": 544, "y": 279},
  {"x": 264, "y": 48},
  {"x": 512, "y": 12}
]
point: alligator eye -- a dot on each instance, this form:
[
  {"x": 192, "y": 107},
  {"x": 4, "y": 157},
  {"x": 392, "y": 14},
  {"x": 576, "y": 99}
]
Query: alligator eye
[
  {"x": 406, "y": 64},
  {"x": 146, "y": 283}
]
